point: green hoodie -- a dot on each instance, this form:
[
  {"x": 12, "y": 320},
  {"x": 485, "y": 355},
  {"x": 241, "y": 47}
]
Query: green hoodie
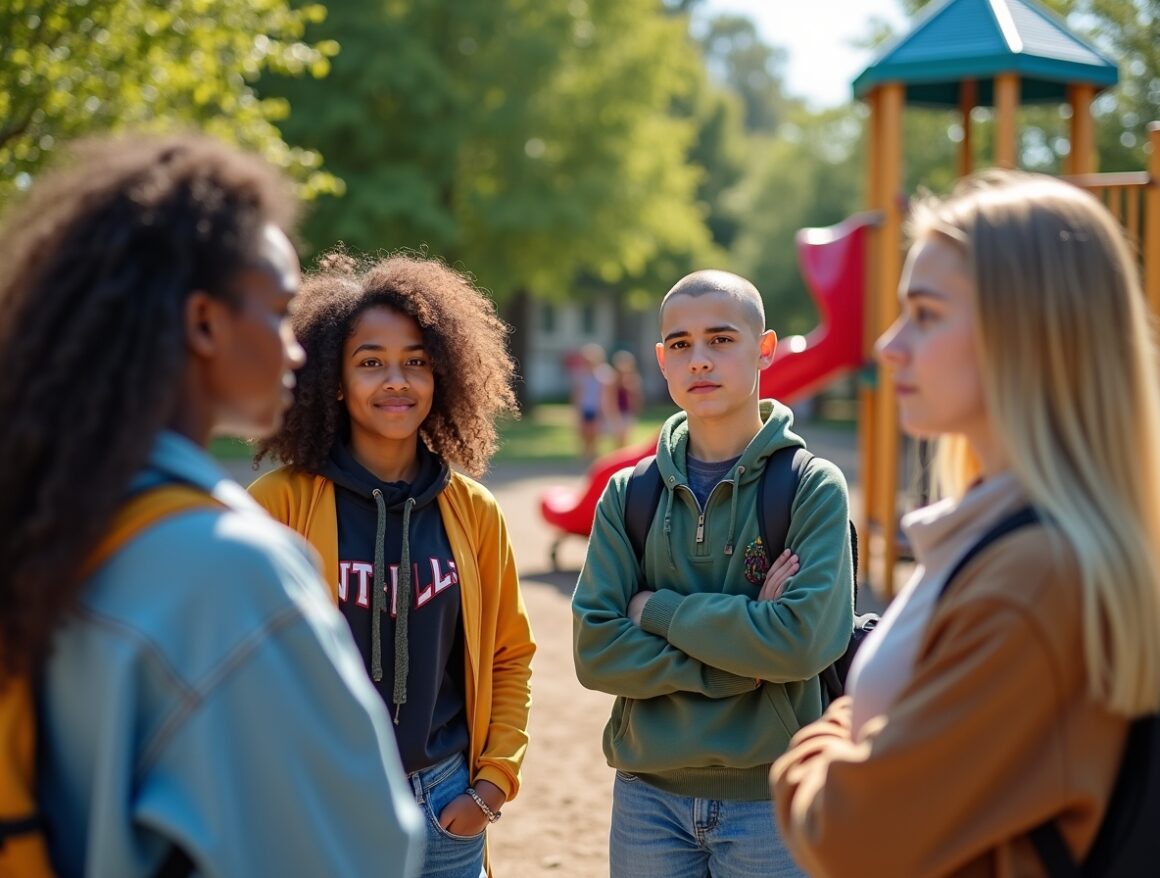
[{"x": 714, "y": 682}]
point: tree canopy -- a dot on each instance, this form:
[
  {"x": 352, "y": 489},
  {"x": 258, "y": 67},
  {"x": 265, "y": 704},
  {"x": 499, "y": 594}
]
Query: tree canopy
[
  {"x": 528, "y": 141},
  {"x": 750, "y": 67},
  {"x": 70, "y": 68}
]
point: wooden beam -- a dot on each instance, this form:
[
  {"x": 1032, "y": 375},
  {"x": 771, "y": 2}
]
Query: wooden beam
[
  {"x": 1151, "y": 244},
  {"x": 1082, "y": 157},
  {"x": 1006, "y": 107},
  {"x": 868, "y": 433},
  {"x": 968, "y": 100},
  {"x": 889, "y": 269}
]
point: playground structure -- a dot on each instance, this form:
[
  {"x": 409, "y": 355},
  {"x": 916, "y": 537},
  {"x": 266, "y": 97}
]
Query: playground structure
[{"x": 959, "y": 55}]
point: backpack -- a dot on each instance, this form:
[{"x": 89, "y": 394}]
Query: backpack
[
  {"x": 1127, "y": 844},
  {"x": 776, "y": 489},
  {"x": 23, "y": 848}
]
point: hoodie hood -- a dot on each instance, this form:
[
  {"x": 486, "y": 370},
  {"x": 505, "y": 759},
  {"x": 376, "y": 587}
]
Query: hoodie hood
[
  {"x": 342, "y": 469},
  {"x": 776, "y": 432},
  {"x": 672, "y": 462}
]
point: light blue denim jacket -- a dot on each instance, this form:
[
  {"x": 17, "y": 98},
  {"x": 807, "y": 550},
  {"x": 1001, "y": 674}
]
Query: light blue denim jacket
[{"x": 207, "y": 693}]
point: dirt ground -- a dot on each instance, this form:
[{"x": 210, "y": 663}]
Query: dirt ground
[{"x": 558, "y": 825}]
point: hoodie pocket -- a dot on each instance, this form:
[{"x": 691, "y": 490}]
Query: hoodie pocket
[
  {"x": 779, "y": 701},
  {"x": 621, "y": 714}
]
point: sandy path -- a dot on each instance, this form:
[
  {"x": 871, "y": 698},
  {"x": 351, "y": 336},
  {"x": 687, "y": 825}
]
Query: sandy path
[{"x": 559, "y": 823}]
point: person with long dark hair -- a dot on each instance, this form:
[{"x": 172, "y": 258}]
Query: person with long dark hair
[{"x": 201, "y": 706}]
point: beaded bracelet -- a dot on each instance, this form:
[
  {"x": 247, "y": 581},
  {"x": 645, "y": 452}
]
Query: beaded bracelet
[{"x": 491, "y": 815}]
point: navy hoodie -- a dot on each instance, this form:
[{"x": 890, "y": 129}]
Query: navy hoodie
[{"x": 420, "y": 649}]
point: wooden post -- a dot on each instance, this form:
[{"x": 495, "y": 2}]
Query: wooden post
[
  {"x": 889, "y": 268},
  {"x": 1006, "y": 106},
  {"x": 1151, "y": 248},
  {"x": 1132, "y": 217},
  {"x": 1082, "y": 157},
  {"x": 867, "y": 396},
  {"x": 968, "y": 100}
]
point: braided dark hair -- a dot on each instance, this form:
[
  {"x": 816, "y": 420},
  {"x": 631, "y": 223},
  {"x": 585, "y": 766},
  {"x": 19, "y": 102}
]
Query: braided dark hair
[
  {"x": 98, "y": 261},
  {"x": 463, "y": 335}
]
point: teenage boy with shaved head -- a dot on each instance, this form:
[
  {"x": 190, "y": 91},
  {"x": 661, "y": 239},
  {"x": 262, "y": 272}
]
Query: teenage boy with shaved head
[{"x": 712, "y": 652}]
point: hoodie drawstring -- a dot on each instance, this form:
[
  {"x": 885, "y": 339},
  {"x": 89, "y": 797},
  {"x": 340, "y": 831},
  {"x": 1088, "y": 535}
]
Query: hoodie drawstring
[
  {"x": 668, "y": 528},
  {"x": 379, "y": 597},
  {"x": 733, "y": 511},
  {"x": 403, "y": 612},
  {"x": 402, "y": 603}
]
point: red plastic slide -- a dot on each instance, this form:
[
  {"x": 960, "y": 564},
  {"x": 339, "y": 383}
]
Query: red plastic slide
[{"x": 832, "y": 262}]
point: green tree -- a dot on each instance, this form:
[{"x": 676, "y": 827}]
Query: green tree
[
  {"x": 69, "y": 68},
  {"x": 721, "y": 150},
  {"x": 810, "y": 174},
  {"x": 1059, "y": 7},
  {"x": 750, "y": 67},
  {"x": 530, "y": 142}
]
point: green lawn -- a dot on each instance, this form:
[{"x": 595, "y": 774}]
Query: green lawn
[
  {"x": 225, "y": 448},
  {"x": 549, "y": 433}
]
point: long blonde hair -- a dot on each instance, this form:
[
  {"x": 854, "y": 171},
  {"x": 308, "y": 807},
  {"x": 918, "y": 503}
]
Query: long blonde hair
[{"x": 1071, "y": 378}]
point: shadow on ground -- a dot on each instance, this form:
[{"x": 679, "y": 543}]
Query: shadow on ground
[{"x": 563, "y": 581}]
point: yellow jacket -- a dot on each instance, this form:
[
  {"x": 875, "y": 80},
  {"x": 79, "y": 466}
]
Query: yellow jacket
[{"x": 498, "y": 635}]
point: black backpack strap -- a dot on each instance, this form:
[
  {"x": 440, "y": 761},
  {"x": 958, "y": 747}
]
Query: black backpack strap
[
  {"x": 17, "y": 826},
  {"x": 1127, "y": 842},
  {"x": 1017, "y": 519},
  {"x": 854, "y": 555},
  {"x": 783, "y": 472},
  {"x": 776, "y": 489},
  {"x": 176, "y": 865},
  {"x": 1053, "y": 852},
  {"x": 641, "y": 496}
]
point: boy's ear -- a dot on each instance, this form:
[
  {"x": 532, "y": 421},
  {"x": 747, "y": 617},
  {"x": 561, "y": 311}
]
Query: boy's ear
[
  {"x": 661, "y": 356},
  {"x": 768, "y": 342},
  {"x": 201, "y": 323}
]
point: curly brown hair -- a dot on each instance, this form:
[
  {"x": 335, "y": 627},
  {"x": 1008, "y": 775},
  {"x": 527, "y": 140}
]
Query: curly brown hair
[
  {"x": 98, "y": 261},
  {"x": 463, "y": 335}
]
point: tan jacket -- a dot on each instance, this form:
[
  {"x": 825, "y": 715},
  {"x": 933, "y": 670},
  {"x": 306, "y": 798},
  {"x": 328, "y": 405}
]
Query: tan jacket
[{"x": 993, "y": 735}]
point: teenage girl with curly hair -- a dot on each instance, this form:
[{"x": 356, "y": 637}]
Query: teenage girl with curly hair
[{"x": 406, "y": 372}]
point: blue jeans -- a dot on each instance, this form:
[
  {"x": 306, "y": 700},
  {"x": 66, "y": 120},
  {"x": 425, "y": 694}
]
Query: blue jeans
[
  {"x": 446, "y": 855},
  {"x": 661, "y": 835}
]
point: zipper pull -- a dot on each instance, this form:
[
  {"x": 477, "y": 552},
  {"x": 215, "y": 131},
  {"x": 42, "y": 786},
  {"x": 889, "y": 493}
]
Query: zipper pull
[{"x": 701, "y": 528}]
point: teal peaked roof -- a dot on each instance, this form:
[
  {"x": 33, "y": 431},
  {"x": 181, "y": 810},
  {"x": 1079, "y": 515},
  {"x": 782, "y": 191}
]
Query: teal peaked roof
[{"x": 957, "y": 40}]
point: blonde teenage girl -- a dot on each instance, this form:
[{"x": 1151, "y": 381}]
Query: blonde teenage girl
[{"x": 1001, "y": 705}]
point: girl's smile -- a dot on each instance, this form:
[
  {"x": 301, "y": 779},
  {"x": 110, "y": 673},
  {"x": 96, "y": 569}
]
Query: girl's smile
[{"x": 388, "y": 386}]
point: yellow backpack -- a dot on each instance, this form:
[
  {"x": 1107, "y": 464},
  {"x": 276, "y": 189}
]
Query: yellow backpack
[{"x": 23, "y": 851}]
